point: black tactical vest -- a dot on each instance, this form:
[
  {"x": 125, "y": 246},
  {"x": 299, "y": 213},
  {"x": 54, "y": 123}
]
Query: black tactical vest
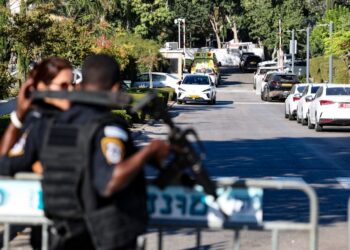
[{"x": 69, "y": 193}]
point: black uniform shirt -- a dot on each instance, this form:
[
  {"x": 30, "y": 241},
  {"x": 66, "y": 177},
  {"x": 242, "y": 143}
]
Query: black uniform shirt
[
  {"x": 108, "y": 150},
  {"x": 25, "y": 152}
]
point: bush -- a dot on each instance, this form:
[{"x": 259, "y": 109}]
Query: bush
[
  {"x": 6, "y": 80},
  {"x": 138, "y": 93},
  {"x": 124, "y": 114},
  {"x": 319, "y": 70},
  {"x": 4, "y": 122}
]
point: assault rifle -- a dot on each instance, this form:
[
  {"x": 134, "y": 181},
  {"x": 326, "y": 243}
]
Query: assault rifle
[{"x": 186, "y": 157}]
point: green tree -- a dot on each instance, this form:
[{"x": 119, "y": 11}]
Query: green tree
[
  {"x": 261, "y": 20},
  {"x": 27, "y": 33},
  {"x": 4, "y": 22},
  {"x": 154, "y": 19},
  {"x": 196, "y": 16},
  {"x": 339, "y": 15},
  {"x": 339, "y": 43},
  {"x": 66, "y": 39}
]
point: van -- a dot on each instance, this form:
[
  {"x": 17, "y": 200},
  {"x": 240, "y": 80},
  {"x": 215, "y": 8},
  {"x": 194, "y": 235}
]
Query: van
[{"x": 205, "y": 60}]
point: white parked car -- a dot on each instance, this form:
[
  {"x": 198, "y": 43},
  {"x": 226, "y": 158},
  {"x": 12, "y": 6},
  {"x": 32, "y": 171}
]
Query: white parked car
[
  {"x": 292, "y": 100},
  {"x": 330, "y": 107},
  {"x": 196, "y": 88},
  {"x": 305, "y": 101},
  {"x": 260, "y": 73},
  {"x": 158, "y": 80}
]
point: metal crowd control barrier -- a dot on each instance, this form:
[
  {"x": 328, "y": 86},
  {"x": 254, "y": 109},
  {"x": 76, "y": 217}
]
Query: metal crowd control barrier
[
  {"x": 236, "y": 225},
  {"x": 21, "y": 204},
  {"x": 349, "y": 224},
  {"x": 239, "y": 206}
]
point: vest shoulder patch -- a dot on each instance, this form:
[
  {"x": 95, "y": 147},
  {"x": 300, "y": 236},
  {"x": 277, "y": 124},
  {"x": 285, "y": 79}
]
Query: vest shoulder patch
[
  {"x": 113, "y": 150},
  {"x": 115, "y": 132}
]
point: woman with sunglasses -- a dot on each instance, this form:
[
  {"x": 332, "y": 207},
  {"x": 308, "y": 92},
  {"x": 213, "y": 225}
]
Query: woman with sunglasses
[{"x": 52, "y": 74}]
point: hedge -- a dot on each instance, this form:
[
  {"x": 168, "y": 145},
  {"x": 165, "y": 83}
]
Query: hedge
[
  {"x": 319, "y": 70},
  {"x": 136, "y": 93},
  {"x": 4, "y": 121},
  {"x": 167, "y": 92}
]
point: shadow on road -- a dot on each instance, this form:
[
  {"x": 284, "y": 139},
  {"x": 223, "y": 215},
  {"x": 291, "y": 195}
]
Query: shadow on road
[
  {"x": 291, "y": 159},
  {"x": 287, "y": 157}
]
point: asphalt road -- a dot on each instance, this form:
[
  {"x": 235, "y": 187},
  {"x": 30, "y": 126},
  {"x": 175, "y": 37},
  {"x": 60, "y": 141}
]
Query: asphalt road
[{"x": 248, "y": 138}]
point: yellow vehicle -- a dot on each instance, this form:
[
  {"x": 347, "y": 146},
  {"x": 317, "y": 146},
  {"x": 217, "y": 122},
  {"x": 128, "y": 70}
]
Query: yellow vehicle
[{"x": 204, "y": 60}]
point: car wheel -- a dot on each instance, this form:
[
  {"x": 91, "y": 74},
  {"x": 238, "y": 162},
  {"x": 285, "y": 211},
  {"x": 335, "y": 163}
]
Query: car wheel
[
  {"x": 286, "y": 115},
  {"x": 309, "y": 124},
  {"x": 304, "y": 121},
  {"x": 291, "y": 117},
  {"x": 268, "y": 97},
  {"x": 264, "y": 95},
  {"x": 179, "y": 102},
  {"x": 298, "y": 119},
  {"x": 318, "y": 127}
]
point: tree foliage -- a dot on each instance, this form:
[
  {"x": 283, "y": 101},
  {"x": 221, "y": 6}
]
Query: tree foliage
[
  {"x": 133, "y": 30},
  {"x": 133, "y": 53},
  {"x": 339, "y": 43}
]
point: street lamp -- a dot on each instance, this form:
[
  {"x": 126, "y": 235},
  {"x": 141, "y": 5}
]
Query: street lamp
[{"x": 180, "y": 21}]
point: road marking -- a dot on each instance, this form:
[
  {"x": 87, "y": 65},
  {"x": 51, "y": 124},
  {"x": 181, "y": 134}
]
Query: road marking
[
  {"x": 344, "y": 182},
  {"x": 234, "y": 91},
  {"x": 258, "y": 103}
]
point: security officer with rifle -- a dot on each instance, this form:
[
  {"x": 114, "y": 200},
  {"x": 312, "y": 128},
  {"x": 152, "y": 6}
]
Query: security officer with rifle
[{"x": 83, "y": 151}]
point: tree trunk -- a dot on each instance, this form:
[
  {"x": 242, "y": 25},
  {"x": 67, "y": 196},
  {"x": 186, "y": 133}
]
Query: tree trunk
[
  {"x": 274, "y": 53},
  {"x": 233, "y": 28},
  {"x": 216, "y": 30}
]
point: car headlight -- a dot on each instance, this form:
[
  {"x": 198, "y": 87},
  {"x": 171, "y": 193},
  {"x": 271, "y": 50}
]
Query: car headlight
[
  {"x": 206, "y": 90},
  {"x": 181, "y": 90}
]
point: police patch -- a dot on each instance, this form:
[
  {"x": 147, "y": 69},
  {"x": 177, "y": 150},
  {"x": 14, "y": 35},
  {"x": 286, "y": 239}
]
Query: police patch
[
  {"x": 112, "y": 149},
  {"x": 113, "y": 131}
]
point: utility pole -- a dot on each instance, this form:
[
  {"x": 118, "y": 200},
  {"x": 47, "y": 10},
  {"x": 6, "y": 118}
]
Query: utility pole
[
  {"x": 308, "y": 54},
  {"x": 184, "y": 29},
  {"x": 280, "y": 52},
  {"x": 179, "y": 33},
  {"x": 293, "y": 49},
  {"x": 330, "y": 78}
]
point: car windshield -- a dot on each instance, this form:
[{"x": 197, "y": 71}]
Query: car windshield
[
  {"x": 314, "y": 89},
  {"x": 338, "y": 91},
  {"x": 196, "y": 80},
  {"x": 174, "y": 77},
  {"x": 285, "y": 78},
  {"x": 301, "y": 89}
]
